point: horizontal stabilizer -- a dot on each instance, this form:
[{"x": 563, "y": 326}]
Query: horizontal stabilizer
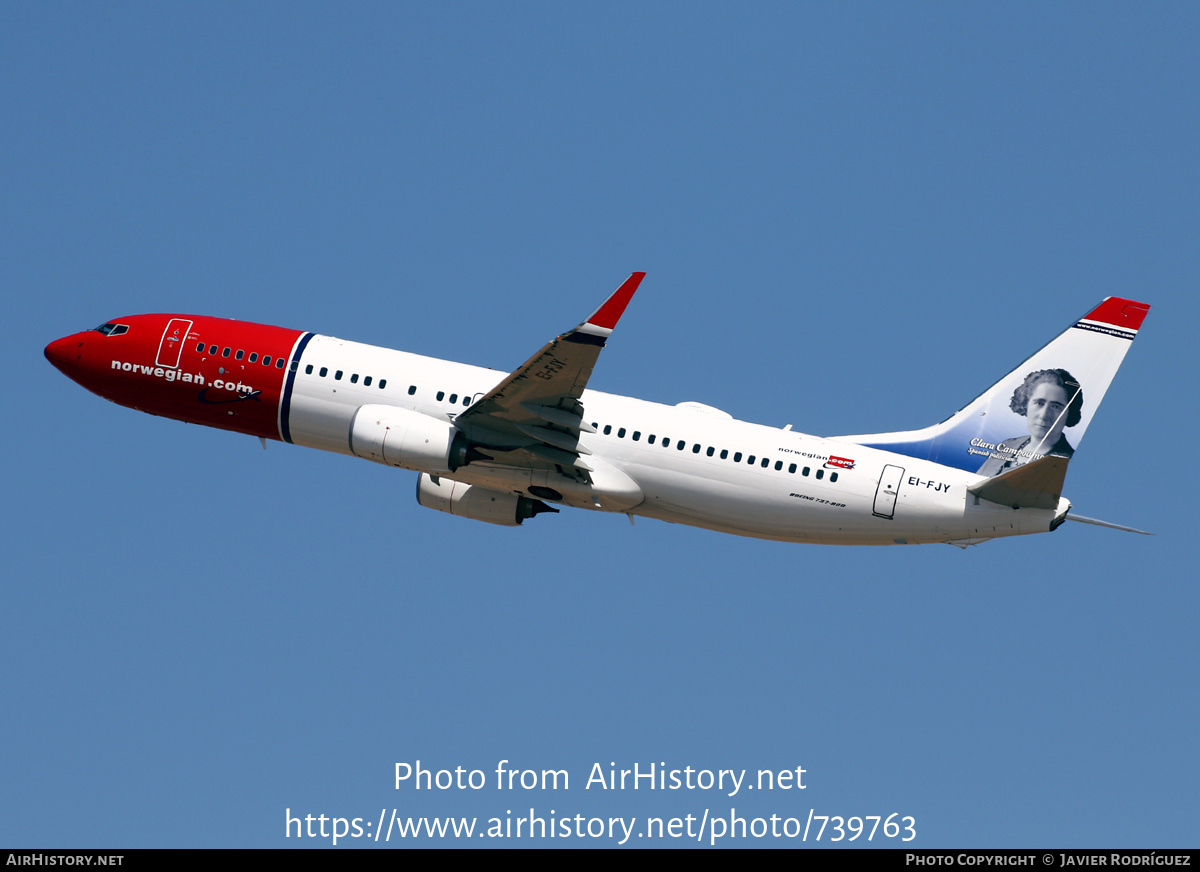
[
  {"x": 1081, "y": 519},
  {"x": 1036, "y": 485}
]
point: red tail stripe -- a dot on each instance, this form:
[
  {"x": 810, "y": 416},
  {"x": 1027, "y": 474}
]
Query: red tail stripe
[{"x": 1119, "y": 313}]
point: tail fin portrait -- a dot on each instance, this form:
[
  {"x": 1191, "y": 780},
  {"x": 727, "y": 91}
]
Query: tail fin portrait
[{"x": 1041, "y": 408}]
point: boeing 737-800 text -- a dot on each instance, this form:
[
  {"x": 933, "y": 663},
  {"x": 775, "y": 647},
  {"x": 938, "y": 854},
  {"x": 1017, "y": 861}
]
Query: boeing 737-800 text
[{"x": 502, "y": 448}]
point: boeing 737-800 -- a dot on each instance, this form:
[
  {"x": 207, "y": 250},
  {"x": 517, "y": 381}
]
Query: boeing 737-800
[{"x": 502, "y": 448}]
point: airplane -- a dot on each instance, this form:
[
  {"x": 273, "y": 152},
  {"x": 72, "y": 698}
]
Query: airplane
[{"x": 503, "y": 448}]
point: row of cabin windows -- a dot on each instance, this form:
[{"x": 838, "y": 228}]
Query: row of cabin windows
[
  {"x": 711, "y": 451},
  {"x": 337, "y": 376},
  {"x": 366, "y": 381},
  {"x": 441, "y": 395},
  {"x": 239, "y": 354}
]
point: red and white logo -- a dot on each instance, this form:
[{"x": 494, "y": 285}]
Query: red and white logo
[{"x": 835, "y": 462}]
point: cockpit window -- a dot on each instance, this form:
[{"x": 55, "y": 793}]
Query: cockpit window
[{"x": 111, "y": 329}]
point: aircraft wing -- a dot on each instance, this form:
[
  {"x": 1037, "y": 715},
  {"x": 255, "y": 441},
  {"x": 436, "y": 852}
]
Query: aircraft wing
[{"x": 537, "y": 409}]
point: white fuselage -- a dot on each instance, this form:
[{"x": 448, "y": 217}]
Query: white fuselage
[{"x": 838, "y": 493}]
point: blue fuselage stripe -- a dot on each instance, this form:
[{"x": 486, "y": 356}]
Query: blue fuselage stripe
[{"x": 285, "y": 403}]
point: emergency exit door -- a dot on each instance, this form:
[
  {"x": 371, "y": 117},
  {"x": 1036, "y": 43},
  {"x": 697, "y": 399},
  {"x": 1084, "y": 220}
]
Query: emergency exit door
[
  {"x": 172, "y": 342},
  {"x": 885, "y": 494}
]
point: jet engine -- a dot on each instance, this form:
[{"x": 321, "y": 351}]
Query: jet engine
[
  {"x": 408, "y": 439},
  {"x": 477, "y": 503}
]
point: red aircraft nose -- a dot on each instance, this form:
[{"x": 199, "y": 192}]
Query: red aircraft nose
[{"x": 66, "y": 354}]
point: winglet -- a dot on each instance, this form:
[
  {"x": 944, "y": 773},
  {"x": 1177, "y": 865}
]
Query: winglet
[{"x": 609, "y": 313}]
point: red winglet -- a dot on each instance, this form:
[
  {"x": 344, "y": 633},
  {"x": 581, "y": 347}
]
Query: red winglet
[
  {"x": 610, "y": 312},
  {"x": 1119, "y": 313}
]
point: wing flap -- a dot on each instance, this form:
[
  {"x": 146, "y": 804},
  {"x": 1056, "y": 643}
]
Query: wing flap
[
  {"x": 558, "y": 457},
  {"x": 556, "y": 438},
  {"x": 561, "y": 417}
]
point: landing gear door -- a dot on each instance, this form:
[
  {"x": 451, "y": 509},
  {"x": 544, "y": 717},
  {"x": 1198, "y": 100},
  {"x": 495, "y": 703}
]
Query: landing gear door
[
  {"x": 171, "y": 345},
  {"x": 885, "y": 494}
]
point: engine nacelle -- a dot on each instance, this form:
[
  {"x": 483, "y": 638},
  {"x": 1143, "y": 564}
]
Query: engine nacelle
[
  {"x": 477, "y": 503},
  {"x": 400, "y": 437}
]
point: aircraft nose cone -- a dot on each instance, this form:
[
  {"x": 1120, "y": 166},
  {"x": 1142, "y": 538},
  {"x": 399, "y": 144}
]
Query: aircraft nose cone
[{"x": 65, "y": 354}]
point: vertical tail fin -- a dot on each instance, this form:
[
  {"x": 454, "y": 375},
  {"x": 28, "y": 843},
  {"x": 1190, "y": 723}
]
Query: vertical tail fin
[{"x": 1043, "y": 407}]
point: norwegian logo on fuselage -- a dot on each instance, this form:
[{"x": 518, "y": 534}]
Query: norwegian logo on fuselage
[
  {"x": 239, "y": 390},
  {"x": 835, "y": 462}
]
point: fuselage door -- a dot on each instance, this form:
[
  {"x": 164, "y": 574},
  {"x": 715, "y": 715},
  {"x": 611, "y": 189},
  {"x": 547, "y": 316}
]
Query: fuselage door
[
  {"x": 885, "y": 494},
  {"x": 171, "y": 345}
]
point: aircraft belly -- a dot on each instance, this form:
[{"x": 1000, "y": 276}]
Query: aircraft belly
[
  {"x": 748, "y": 506},
  {"x": 752, "y": 505}
]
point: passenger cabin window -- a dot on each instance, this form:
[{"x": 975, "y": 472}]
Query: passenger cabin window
[
  {"x": 212, "y": 349},
  {"x": 239, "y": 354},
  {"x": 225, "y": 352},
  {"x": 792, "y": 468},
  {"x": 279, "y": 361},
  {"x": 833, "y": 476},
  {"x": 466, "y": 401},
  {"x": 637, "y": 434},
  {"x": 267, "y": 362},
  {"x": 200, "y": 347},
  {"x": 820, "y": 474},
  {"x": 412, "y": 389},
  {"x": 441, "y": 395},
  {"x": 337, "y": 376},
  {"x": 254, "y": 357},
  {"x": 354, "y": 379},
  {"x": 383, "y": 384},
  {"x": 367, "y": 381},
  {"x": 621, "y": 433},
  {"x": 324, "y": 371},
  {"x": 308, "y": 369},
  {"x": 453, "y": 399}
]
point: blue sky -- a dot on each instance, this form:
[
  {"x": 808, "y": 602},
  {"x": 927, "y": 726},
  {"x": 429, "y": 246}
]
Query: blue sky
[{"x": 854, "y": 217}]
